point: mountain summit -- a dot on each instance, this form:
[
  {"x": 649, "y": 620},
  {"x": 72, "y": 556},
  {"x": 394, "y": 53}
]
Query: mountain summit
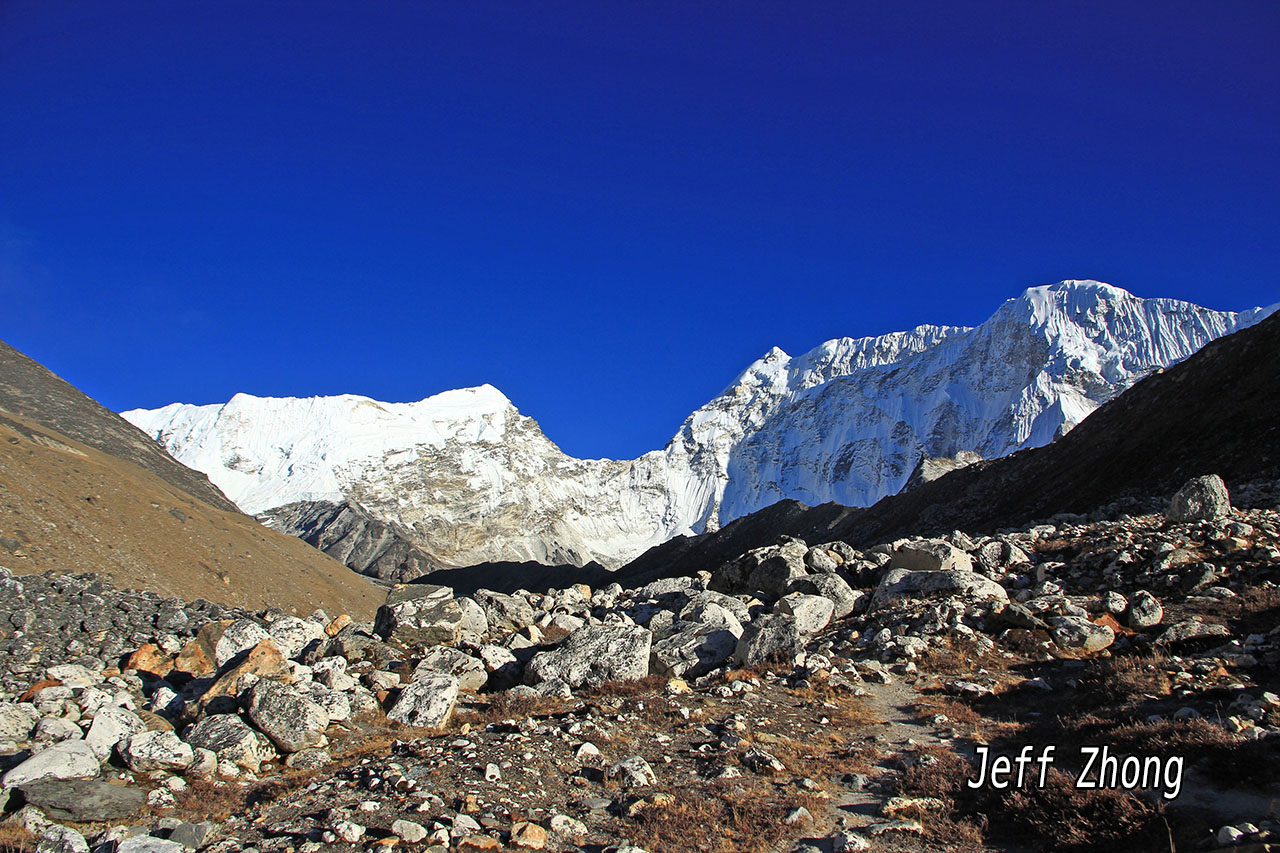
[{"x": 473, "y": 480}]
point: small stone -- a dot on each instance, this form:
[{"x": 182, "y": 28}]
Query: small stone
[
  {"x": 526, "y": 835},
  {"x": 409, "y": 831},
  {"x": 633, "y": 772}
]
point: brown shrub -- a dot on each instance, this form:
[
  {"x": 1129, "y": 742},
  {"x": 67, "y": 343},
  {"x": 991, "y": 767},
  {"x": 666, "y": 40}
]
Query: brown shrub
[
  {"x": 15, "y": 839},
  {"x": 1059, "y": 818},
  {"x": 720, "y": 818}
]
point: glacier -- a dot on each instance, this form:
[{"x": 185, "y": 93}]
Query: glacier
[{"x": 474, "y": 480}]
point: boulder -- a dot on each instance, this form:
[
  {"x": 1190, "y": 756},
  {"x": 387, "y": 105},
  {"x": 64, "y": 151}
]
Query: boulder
[
  {"x": 231, "y": 739},
  {"x": 240, "y": 636},
  {"x": 426, "y": 615},
  {"x": 811, "y": 612},
  {"x": 766, "y": 571},
  {"x": 1145, "y": 610},
  {"x": 902, "y": 583},
  {"x": 17, "y": 720},
  {"x": 112, "y": 724},
  {"x": 469, "y": 671},
  {"x": 772, "y": 639},
  {"x": 508, "y": 612},
  {"x": 703, "y": 639},
  {"x": 821, "y": 561},
  {"x": 593, "y": 655},
  {"x": 1191, "y": 629},
  {"x": 844, "y": 598},
  {"x": 83, "y": 800},
  {"x": 292, "y": 634},
  {"x": 336, "y": 703},
  {"x": 158, "y": 750},
  {"x": 262, "y": 661},
  {"x": 427, "y": 702},
  {"x": 292, "y": 721},
  {"x": 930, "y": 555},
  {"x": 71, "y": 759},
  {"x": 1076, "y": 633},
  {"x": 1200, "y": 499}
]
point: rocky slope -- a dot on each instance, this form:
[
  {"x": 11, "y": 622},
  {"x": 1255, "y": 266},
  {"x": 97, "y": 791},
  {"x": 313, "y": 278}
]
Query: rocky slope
[
  {"x": 472, "y": 480},
  {"x": 71, "y": 506},
  {"x": 798, "y": 697}
]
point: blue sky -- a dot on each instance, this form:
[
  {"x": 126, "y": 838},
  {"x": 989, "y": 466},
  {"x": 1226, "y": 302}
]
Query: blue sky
[{"x": 605, "y": 209}]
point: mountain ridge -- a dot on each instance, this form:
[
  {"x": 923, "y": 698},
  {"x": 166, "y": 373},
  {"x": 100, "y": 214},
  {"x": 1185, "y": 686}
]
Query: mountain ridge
[{"x": 472, "y": 480}]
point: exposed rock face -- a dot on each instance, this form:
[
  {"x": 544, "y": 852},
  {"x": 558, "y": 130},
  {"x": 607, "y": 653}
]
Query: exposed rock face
[
  {"x": 930, "y": 468},
  {"x": 772, "y": 640},
  {"x": 487, "y": 484},
  {"x": 349, "y": 534},
  {"x": 1201, "y": 499}
]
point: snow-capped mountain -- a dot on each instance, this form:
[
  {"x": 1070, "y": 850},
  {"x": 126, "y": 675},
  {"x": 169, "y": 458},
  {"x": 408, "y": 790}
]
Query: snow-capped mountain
[{"x": 475, "y": 480}]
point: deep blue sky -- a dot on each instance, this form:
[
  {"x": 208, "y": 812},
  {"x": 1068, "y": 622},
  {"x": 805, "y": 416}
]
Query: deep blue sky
[{"x": 605, "y": 209}]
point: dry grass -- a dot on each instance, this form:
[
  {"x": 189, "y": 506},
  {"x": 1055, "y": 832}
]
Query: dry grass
[
  {"x": 15, "y": 839},
  {"x": 1058, "y": 818},
  {"x": 212, "y": 801},
  {"x": 649, "y": 685},
  {"x": 506, "y": 706},
  {"x": 959, "y": 656},
  {"x": 719, "y": 818}
]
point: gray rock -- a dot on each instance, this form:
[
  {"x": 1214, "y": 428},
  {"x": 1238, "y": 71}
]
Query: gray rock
[
  {"x": 83, "y": 800},
  {"x": 930, "y": 555},
  {"x": 240, "y": 636},
  {"x": 1074, "y": 632},
  {"x": 469, "y": 671},
  {"x": 765, "y": 570},
  {"x": 700, "y": 643},
  {"x": 231, "y": 739},
  {"x": 112, "y": 724},
  {"x": 290, "y": 719},
  {"x": 901, "y": 583},
  {"x": 1200, "y": 499},
  {"x": 633, "y": 772},
  {"x": 336, "y": 703},
  {"x": 60, "y": 839},
  {"x": 193, "y": 835},
  {"x": 593, "y": 655},
  {"x": 426, "y": 615},
  {"x": 1191, "y": 629},
  {"x": 1145, "y": 610},
  {"x": 772, "y": 639},
  {"x": 811, "y": 612},
  {"x": 509, "y": 612},
  {"x": 844, "y": 598},
  {"x": 17, "y": 720},
  {"x": 71, "y": 759},
  {"x": 292, "y": 634},
  {"x": 820, "y": 560},
  {"x": 158, "y": 750},
  {"x": 148, "y": 844},
  {"x": 427, "y": 702}
]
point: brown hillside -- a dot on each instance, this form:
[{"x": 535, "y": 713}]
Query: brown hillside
[
  {"x": 30, "y": 389},
  {"x": 70, "y": 507}
]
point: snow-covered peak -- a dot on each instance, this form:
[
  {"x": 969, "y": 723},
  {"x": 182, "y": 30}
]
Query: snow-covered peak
[{"x": 846, "y": 421}]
